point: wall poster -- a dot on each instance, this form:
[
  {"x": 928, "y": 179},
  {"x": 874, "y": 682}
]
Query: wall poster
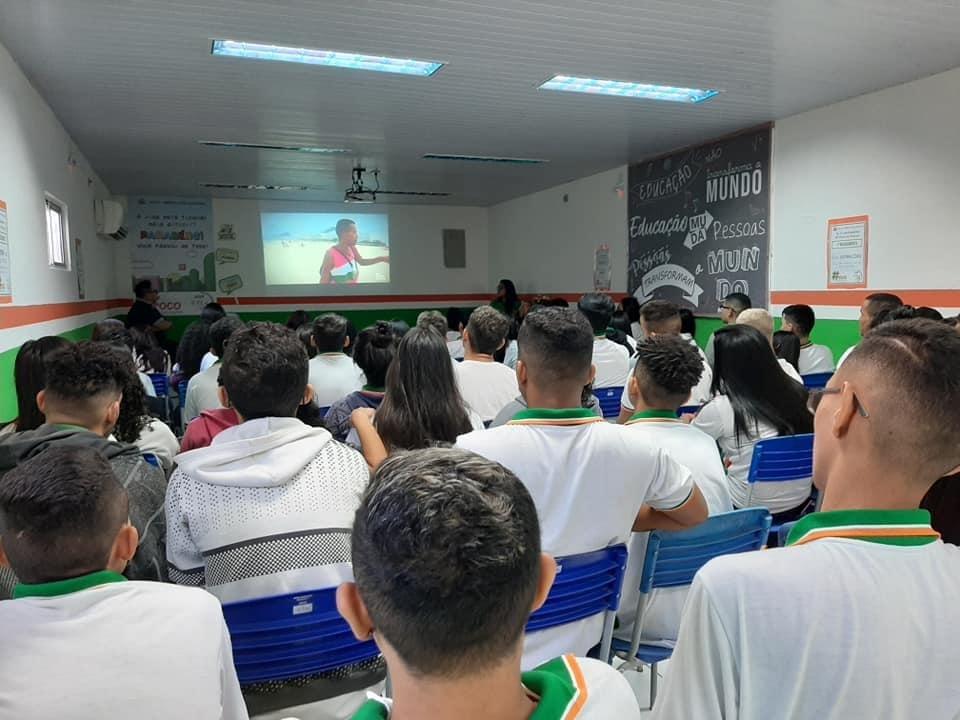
[{"x": 847, "y": 241}]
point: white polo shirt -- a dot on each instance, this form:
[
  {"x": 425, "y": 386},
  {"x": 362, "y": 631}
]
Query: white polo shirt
[
  {"x": 202, "y": 393},
  {"x": 790, "y": 370},
  {"x": 486, "y": 387},
  {"x": 333, "y": 377},
  {"x": 846, "y": 354},
  {"x": 697, "y": 452},
  {"x": 699, "y": 395},
  {"x": 99, "y": 647},
  {"x": 589, "y": 479},
  {"x": 612, "y": 362},
  {"x": 856, "y": 618},
  {"x": 716, "y": 420},
  {"x": 815, "y": 359}
]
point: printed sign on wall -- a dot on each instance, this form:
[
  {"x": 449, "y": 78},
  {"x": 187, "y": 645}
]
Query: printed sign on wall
[
  {"x": 172, "y": 245},
  {"x": 6, "y": 288},
  {"x": 698, "y": 224},
  {"x": 847, "y": 240}
]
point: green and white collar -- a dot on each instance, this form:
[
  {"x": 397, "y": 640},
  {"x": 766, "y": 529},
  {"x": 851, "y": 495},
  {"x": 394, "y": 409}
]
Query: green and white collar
[
  {"x": 653, "y": 416},
  {"x": 888, "y": 527},
  {"x": 66, "y": 587},
  {"x": 545, "y": 416}
]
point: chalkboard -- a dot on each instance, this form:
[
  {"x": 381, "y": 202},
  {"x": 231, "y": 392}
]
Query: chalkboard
[{"x": 698, "y": 223}]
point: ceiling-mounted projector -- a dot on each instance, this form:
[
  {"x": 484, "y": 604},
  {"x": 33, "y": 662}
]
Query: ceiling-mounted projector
[{"x": 360, "y": 193}]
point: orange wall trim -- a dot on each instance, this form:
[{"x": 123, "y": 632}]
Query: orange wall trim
[
  {"x": 854, "y": 298},
  {"x": 19, "y": 315}
]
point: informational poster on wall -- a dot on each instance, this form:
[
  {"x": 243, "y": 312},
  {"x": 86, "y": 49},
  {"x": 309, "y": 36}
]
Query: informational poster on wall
[
  {"x": 698, "y": 223},
  {"x": 172, "y": 244},
  {"x": 847, "y": 240},
  {"x": 6, "y": 286}
]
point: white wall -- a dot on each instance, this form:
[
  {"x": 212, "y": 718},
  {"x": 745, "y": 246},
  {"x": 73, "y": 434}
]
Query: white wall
[
  {"x": 546, "y": 245},
  {"x": 34, "y": 149}
]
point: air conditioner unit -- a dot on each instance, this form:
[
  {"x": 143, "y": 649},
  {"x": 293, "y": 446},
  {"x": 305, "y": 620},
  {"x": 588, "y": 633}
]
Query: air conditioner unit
[{"x": 108, "y": 215}]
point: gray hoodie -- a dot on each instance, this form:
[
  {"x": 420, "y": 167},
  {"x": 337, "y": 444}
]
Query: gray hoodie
[{"x": 145, "y": 484}]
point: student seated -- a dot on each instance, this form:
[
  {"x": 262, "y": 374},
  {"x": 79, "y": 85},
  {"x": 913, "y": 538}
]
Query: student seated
[
  {"x": 333, "y": 375},
  {"x": 667, "y": 368},
  {"x": 611, "y": 359},
  {"x": 592, "y": 481},
  {"x": 486, "y": 385},
  {"x": 455, "y": 333},
  {"x": 763, "y": 321},
  {"x": 786, "y": 346},
  {"x": 203, "y": 388},
  {"x": 194, "y": 345},
  {"x": 78, "y": 640},
  {"x": 856, "y": 617},
  {"x": 800, "y": 319},
  {"x": 29, "y": 378},
  {"x": 114, "y": 331},
  {"x": 81, "y": 407},
  {"x": 872, "y": 305},
  {"x": 267, "y": 508},
  {"x": 373, "y": 352},
  {"x": 661, "y": 318},
  {"x": 447, "y": 561},
  {"x": 733, "y": 304},
  {"x": 754, "y": 399}
]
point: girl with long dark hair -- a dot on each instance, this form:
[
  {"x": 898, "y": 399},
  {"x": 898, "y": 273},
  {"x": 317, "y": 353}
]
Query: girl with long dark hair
[
  {"x": 507, "y": 301},
  {"x": 422, "y": 405},
  {"x": 754, "y": 399},
  {"x": 29, "y": 378}
]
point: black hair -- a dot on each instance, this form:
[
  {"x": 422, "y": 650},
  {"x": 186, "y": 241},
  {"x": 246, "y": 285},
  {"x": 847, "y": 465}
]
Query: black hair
[
  {"x": 928, "y": 313},
  {"x": 264, "y": 371},
  {"x": 455, "y": 319},
  {"x": 375, "y": 350},
  {"x": 556, "y": 345},
  {"x": 620, "y": 321},
  {"x": 511, "y": 301},
  {"x": 152, "y": 357},
  {"x": 953, "y": 321},
  {"x": 879, "y": 300},
  {"x": 631, "y": 306},
  {"x": 400, "y": 328},
  {"x": 330, "y": 332},
  {"x": 802, "y": 317},
  {"x": 668, "y": 368},
  {"x": 598, "y": 309},
  {"x": 133, "y": 417},
  {"x": 142, "y": 287},
  {"x": 786, "y": 346},
  {"x": 212, "y": 312},
  {"x": 740, "y": 301},
  {"x": 661, "y": 316},
  {"x": 193, "y": 346},
  {"x": 30, "y": 377},
  {"x": 305, "y": 334},
  {"x": 889, "y": 314},
  {"x": 487, "y": 329},
  {"x": 221, "y": 332},
  {"x": 109, "y": 327},
  {"x": 83, "y": 371},
  {"x": 747, "y": 372},
  {"x": 688, "y": 322},
  {"x": 60, "y": 512},
  {"x": 343, "y": 225},
  {"x": 422, "y": 404},
  {"x": 352, "y": 334},
  {"x": 296, "y": 319},
  {"x": 446, "y": 557}
]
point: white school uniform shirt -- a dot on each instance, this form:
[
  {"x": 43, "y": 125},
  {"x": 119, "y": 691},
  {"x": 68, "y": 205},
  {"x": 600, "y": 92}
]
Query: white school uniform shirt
[
  {"x": 202, "y": 393},
  {"x": 846, "y": 354},
  {"x": 843, "y": 623},
  {"x": 147, "y": 383},
  {"x": 486, "y": 387},
  {"x": 716, "y": 420},
  {"x": 815, "y": 359},
  {"x": 699, "y": 395},
  {"x": 99, "y": 647},
  {"x": 612, "y": 362},
  {"x": 636, "y": 330},
  {"x": 697, "y": 452},
  {"x": 790, "y": 370},
  {"x": 333, "y": 377},
  {"x": 208, "y": 361},
  {"x": 588, "y": 479},
  {"x": 455, "y": 345}
]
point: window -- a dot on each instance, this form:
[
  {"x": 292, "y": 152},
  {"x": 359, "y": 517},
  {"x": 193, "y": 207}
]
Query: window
[{"x": 57, "y": 235}]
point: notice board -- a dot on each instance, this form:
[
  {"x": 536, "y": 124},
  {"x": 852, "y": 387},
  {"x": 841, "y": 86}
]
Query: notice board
[{"x": 698, "y": 223}]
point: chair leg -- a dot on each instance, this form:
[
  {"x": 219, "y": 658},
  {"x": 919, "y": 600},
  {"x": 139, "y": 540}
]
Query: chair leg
[{"x": 653, "y": 684}]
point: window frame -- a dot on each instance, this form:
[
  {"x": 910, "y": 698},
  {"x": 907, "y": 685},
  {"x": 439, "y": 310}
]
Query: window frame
[{"x": 52, "y": 203}]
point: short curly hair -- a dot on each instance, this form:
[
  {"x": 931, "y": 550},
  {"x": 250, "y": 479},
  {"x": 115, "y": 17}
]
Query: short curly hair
[{"x": 668, "y": 368}]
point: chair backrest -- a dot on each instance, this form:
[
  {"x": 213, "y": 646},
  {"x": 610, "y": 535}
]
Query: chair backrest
[
  {"x": 673, "y": 558},
  {"x": 609, "y": 399},
  {"x": 782, "y": 458},
  {"x": 182, "y": 390},
  {"x": 161, "y": 384},
  {"x": 783, "y": 532},
  {"x": 289, "y": 636},
  {"x": 324, "y": 410},
  {"x": 815, "y": 381},
  {"x": 689, "y": 410},
  {"x": 151, "y": 459},
  {"x": 586, "y": 585}
]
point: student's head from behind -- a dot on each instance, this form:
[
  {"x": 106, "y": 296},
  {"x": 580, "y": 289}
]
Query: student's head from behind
[
  {"x": 760, "y": 320},
  {"x": 30, "y": 377},
  {"x": 631, "y": 306},
  {"x": 347, "y": 231},
  {"x": 108, "y": 329},
  {"x": 133, "y": 417},
  {"x": 374, "y": 351},
  {"x": 799, "y": 320},
  {"x": 598, "y": 309},
  {"x": 211, "y": 313},
  {"x": 786, "y": 346},
  {"x": 455, "y": 319},
  {"x": 305, "y": 335},
  {"x": 621, "y": 322},
  {"x": 555, "y": 350},
  {"x": 447, "y": 562},
  {"x": 264, "y": 372},
  {"x": 64, "y": 514},
  {"x": 928, "y": 313},
  {"x": 901, "y": 312},
  {"x": 433, "y": 319},
  {"x": 734, "y": 304},
  {"x": 330, "y": 333},
  {"x": 668, "y": 368},
  {"x": 887, "y": 424},
  {"x": 486, "y": 330},
  {"x": 84, "y": 386},
  {"x": 659, "y": 317},
  {"x": 145, "y": 291},
  {"x": 297, "y": 318},
  {"x": 874, "y": 304},
  {"x": 221, "y": 332},
  {"x": 688, "y": 322}
]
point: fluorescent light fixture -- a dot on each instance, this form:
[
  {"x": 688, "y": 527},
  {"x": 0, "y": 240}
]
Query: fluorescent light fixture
[
  {"x": 485, "y": 159},
  {"x": 617, "y": 88},
  {"x": 280, "y": 188},
  {"x": 329, "y": 58},
  {"x": 292, "y": 148}
]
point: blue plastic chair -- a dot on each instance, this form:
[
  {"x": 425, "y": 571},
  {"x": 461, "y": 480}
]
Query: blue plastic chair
[
  {"x": 783, "y": 532},
  {"x": 672, "y": 559},
  {"x": 689, "y": 410},
  {"x": 816, "y": 381},
  {"x": 586, "y": 585},
  {"x": 293, "y": 636},
  {"x": 151, "y": 459},
  {"x": 780, "y": 459},
  {"x": 324, "y": 410},
  {"x": 161, "y": 384},
  {"x": 609, "y": 399}
]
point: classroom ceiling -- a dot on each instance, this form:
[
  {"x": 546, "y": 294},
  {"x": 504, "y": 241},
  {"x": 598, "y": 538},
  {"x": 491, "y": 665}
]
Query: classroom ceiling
[{"x": 135, "y": 84}]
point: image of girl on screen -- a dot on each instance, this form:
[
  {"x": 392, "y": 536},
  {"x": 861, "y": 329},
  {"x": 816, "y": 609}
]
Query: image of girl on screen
[{"x": 341, "y": 263}]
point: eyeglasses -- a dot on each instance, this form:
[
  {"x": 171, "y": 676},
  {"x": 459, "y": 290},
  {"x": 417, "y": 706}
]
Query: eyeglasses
[
  {"x": 725, "y": 307},
  {"x": 815, "y": 396}
]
